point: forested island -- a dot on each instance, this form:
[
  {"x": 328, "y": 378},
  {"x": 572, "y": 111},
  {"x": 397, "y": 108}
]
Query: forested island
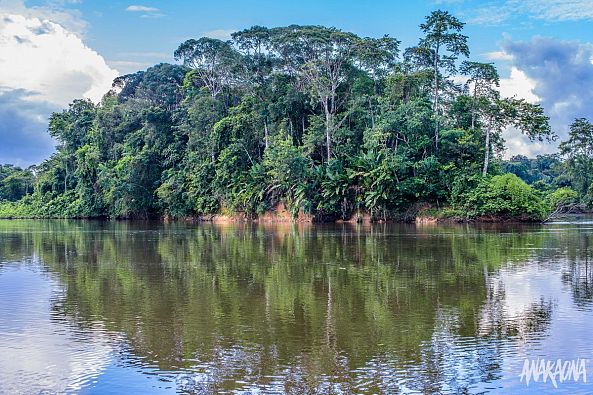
[{"x": 324, "y": 123}]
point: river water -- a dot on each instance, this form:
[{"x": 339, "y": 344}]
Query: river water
[{"x": 141, "y": 308}]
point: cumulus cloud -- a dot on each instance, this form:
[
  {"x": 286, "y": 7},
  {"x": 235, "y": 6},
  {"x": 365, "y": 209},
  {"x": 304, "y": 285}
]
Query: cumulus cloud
[
  {"x": 498, "y": 55},
  {"x": 43, "y": 67},
  {"x": 518, "y": 85},
  {"x": 562, "y": 73},
  {"x": 69, "y": 67},
  {"x": 53, "y": 11},
  {"x": 558, "y": 75}
]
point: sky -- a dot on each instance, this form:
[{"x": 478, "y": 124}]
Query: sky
[{"x": 55, "y": 51}]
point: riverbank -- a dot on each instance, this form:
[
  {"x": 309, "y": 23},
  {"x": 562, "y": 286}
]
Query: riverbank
[
  {"x": 499, "y": 199},
  {"x": 283, "y": 216}
]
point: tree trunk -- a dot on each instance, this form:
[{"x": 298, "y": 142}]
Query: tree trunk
[
  {"x": 266, "y": 133},
  {"x": 372, "y": 114},
  {"x": 474, "y": 108},
  {"x": 486, "y": 152},
  {"x": 328, "y": 136},
  {"x": 66, "y": 176},
  {"x": 436, "y": 96}
]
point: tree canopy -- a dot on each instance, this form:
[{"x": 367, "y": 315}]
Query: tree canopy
[{"x": 326, "y": 122}]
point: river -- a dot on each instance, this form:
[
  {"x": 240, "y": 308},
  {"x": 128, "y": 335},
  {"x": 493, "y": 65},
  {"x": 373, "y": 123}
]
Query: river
[{"x": 97, "y": 307}]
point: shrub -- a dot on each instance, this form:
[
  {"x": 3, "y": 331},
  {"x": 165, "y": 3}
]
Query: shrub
[
  {"x": 562, "y": 197},
  {"x": 505, "y": 195}
]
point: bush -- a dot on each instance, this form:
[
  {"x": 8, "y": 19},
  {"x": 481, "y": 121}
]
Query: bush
[
  {"x": 562, "y": 197},
  {"x": 505, "y": 195},
  {"x": 43, "y": 206}
]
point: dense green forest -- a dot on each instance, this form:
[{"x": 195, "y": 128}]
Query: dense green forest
[{"x": 326, "y": 122}]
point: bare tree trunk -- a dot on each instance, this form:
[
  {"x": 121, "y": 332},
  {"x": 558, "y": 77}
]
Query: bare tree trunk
[
  {"x": 372, "y": 114},
  {"x": 474, "y": 108},
  {"x": 66, "y": 176},
  {"x": 486, "y": 152},
  {"x": 328, "y": 136},
  {"x": 266, "y": 133},
  {"x": 436, "y": 96}
]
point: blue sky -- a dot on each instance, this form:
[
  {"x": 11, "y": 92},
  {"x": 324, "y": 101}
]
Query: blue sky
[{"x": 542, "y": 48}]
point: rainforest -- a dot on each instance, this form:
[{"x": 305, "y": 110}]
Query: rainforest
[{"x": 318, "y": 121}]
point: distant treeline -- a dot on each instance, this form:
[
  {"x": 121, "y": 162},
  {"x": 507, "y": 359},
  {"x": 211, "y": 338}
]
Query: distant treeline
[{"x": 324, "y": 121}]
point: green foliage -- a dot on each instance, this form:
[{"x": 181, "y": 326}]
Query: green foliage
[
  {"x": 322, "y": 120},
  {"x": 200, "y": 190},
  {"x": 563, "y": 197},
  {"x": 15, "y": 183},
  {"x": 505, "y": 195},
  {"x": 578, "y": 151},
  {"x": 288, "y": 172},
  {"x": 545, "y": 172}
]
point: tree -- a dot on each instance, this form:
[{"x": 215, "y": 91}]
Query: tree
[
  {"x": 72, "y": 127},
  {"x": 258, "y": 63},
  {"x": 578, "y": 151},
  {"x": 321, "y": 119},
  {"x": 322, "y": 58},
  {"x": 483, "y": 81},
  {"x": 288, "y": 172},
  {"x": 528, "y": 118},
  {"x": 505, "y": 195},
  {"x": 15, "y": 183},
  {"x": 442, "y": 33},
  {"x": 215, "y": 61}
]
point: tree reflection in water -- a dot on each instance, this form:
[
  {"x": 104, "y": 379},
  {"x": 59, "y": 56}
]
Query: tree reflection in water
[{"x": 303, "y": 308}]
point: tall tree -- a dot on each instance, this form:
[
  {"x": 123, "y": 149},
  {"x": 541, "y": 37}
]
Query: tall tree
[
  {"x": 528, "y": 118},
  {"x": 578, "y": 150},
  {"x": 258, "y": 63},
  {"x": 483, "y": 81},
  {"x": 322, "y": 56},
  {"x": 443, "y": 39},
  {"x": 215, "y": 61}
]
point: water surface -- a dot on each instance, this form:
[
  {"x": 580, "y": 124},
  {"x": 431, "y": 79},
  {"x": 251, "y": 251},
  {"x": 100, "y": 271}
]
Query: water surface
[{"x": 125, "y": 307}]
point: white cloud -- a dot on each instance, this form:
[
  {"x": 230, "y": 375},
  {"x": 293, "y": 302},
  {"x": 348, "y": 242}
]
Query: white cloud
[
  {"x": 560, "y": 10},
  {"x": 131, "y": 62},
  {"x": 519, "y": 144},
  {"x": 146, "y": 54},
  {"x": 70, "y": 19},
  {"x": 42, "y": 57},
  {"x": 146, "y": 12},
  {"x": 556, "y": 74},
  {"x": 518, "y": 85},
  {"x": 498, "y": 55},
  {"x": 128, "y": 66},
  {"x": 141, "y": 8},
  {"x": 43, "y": 67},
  {"x": 489, "y": 15},
  {"x": 221, "y": 34}
]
